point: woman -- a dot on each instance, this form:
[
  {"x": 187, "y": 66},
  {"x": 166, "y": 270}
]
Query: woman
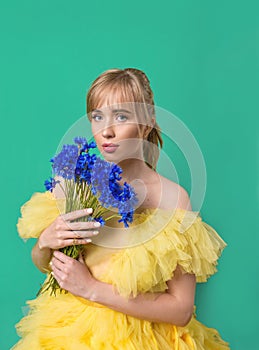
[{"x": 124, "y": 294}]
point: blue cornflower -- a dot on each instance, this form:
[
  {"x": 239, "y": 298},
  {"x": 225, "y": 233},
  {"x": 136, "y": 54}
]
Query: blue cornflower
[
  {"x": 87, "y": 146},
  {"x": 105, "y": 178},
  {"x": 84, "y": 165},
  {"x": 101, "y": 182},
  {"x": 100, "y": 220},
  {"x": 126, "y": 217},
  {"x": 80, "y": 140},
  {"x": 80, "y": 164},
  {"x": 65, "y": 162},
  {"x": 92, "y": 144},
  {"x": 115, "y": 172},
  {"x": 50, "y": 184},
  {"x": 102, "y": 178},
  {"x": 85, "y": 176},
  {"x": 128, "y": 193}
]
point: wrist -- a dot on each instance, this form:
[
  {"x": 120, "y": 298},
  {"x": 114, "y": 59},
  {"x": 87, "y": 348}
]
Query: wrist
[
  {"x": 92, "y": 292},
  {"x": 41, "y": 245},
  {"x": 43, "y": 249}
]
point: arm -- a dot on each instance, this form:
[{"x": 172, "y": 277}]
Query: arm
[
  {"x": 41, "y": 257},
  {"x": 173, "y": 306}
]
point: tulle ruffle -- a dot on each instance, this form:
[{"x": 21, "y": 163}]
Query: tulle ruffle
[
  {"x": 38, "y": 213},
  {"x": 66, "y": 322},
  {"x": 185, "y": 240},
  {"x": 162, "y": 240}
]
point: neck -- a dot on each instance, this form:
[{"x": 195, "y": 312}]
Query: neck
[{"x": 134, "y": 169}]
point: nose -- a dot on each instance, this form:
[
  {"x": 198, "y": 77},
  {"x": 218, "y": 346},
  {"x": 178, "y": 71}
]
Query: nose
[{"x": 108, "y": 131}]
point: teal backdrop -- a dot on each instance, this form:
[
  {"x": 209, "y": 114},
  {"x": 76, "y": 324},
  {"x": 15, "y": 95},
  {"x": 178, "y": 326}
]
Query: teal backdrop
[{"x": 202, "y": 60}]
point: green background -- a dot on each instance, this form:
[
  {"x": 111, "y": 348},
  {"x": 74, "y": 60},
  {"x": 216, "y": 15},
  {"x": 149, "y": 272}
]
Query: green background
[{"x": 202, "y": 60}]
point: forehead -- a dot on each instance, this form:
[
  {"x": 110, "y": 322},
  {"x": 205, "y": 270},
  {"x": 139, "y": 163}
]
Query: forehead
[
  {"x": 125, "y": 107},
  {"x": 114, "y": 99},
  {"x": 112, "y": 96}
]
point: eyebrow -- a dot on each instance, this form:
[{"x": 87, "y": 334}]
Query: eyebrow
[{"x": 114, "y": 110}]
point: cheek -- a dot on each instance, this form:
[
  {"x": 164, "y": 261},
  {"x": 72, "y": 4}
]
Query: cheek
[
  {"x": 97, "y": 138},
  {"x": 131, "y": 140},
  {"x": 131, "y": 131},
  {"x": 95, "y": 132}
]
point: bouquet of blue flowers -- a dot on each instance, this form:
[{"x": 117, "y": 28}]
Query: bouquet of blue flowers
[{"x": 89, "y": 182}]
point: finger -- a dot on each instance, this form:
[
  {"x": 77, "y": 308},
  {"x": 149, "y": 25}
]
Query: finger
[
  {"x": 64, "y": 235},
  {"x": 83, "y": 234},
  {"x": 63, "y": 258},
  {"x": 77, "y": 214},
  {"x": 57, "y": 274},
  {"x": 78, "y": 241},
  {"x": 84, "y": 225},
  {"x": 56, "y": 263},
  {"x": 69, "y": 242}
]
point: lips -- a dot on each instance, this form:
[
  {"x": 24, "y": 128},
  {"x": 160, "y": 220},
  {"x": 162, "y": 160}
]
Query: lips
[{"x": 109, "y": 147}]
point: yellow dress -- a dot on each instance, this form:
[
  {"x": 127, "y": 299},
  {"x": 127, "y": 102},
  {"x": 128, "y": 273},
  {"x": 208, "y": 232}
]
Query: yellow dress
[{"x": 67, "y": 322}]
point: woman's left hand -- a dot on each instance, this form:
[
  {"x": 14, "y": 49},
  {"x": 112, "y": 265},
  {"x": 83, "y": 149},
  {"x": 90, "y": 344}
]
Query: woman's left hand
[{"x": 72, "y": 275}]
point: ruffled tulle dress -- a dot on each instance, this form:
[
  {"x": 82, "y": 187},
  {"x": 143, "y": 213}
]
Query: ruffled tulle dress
[{"x": 140, "y": 261}]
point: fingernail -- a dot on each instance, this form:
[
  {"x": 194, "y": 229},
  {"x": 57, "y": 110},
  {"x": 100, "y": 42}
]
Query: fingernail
[
  {"x": 50, "y": 263},
  {"x": 89, "y": 210},
  {"x": 97, "y": 224},
  {"x": 88, "y": 240},
  {"x": 95, "y": 233}
]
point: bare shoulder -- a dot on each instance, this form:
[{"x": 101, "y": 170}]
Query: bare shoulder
[{"x": 176, "y": 194}]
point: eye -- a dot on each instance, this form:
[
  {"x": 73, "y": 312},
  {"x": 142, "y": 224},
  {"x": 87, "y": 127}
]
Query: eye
[
  {"x": 122, "y": 118},
  {"x": 97, "y": 117}
]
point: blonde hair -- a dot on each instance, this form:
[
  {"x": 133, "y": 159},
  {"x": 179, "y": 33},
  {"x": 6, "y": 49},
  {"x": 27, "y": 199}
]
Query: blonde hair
[{"x": 128, "y": 85}]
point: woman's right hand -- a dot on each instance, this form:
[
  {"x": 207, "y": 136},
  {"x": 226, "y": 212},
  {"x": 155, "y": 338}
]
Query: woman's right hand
[{"x": 62, "y": 233}]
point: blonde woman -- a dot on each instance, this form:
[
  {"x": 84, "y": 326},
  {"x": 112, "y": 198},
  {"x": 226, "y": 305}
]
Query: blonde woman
[{"x": 134, "y": 289}]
